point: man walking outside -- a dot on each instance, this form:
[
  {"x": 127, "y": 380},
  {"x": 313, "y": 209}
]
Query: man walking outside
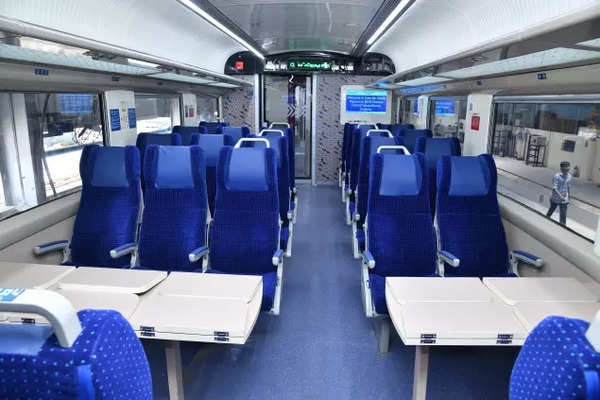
[{"x": 561, "y": 192}]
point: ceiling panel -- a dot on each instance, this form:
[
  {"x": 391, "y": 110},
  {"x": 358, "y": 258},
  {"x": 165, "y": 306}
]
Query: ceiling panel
[{"x": 288, "y": 25}]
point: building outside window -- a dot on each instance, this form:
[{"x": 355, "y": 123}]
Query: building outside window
[
  {"x": 532, "y": 136},
  {"x": 157, "y": 113},
  {"x": 41, "y": 140}
]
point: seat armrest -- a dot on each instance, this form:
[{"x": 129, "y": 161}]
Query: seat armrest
[
  {"x": 290, "y": 215},
  {"x": 357, "y": 217},
  {"x": 295, "y": 190},
  {"x": 123, "y": 250},
  {"x": 449, "y": 258},
  {"x": 58, "y": 245},
  {"x": 198, "y": 253},
  {"x": 368, "y": 259},
  {"x": 277, "y": 257},
  {"x": 531, "y": 259}
]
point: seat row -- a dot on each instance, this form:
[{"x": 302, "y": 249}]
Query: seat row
[{"x": 172, "y": 229}]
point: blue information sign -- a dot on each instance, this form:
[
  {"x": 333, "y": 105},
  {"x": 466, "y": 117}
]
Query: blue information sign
[
  {"x": 9, "y": 294},
  {"x": 444, "y": 107},
  {"x": 115, "y": 120},
  {"x": 132, "y": 118},
  {"x": 71, "y": 103},
  {"x": 366, "y": 101}
]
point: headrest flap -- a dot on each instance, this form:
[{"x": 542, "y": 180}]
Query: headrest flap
[
  {"x": 174, "y": 168},
  {"x": 400, "y": 175},
  {"x": 469, "y": 176},
  {"x": 247, "y": 170},
  {"x": 110, "y": 167},
  {"x": 436, "y": 147},
  {"x": 160, "y": 139},
  {"x": 211, "y": 146}
]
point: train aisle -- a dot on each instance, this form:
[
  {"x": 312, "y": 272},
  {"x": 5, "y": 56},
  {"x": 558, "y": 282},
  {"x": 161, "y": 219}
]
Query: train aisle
[{"x": 322, "y": 346}]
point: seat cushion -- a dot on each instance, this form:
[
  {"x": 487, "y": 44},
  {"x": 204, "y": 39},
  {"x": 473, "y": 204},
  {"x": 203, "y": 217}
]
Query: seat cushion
[{"x": 269, "y": 286}]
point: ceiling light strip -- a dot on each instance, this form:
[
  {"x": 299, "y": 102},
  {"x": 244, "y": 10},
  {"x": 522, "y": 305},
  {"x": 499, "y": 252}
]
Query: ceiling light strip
[
  {"x": 399, "y": 8},
  {"x": 192, "y": 6}
]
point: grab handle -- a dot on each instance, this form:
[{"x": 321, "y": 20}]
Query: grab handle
[{"x": 242, "y": 140}]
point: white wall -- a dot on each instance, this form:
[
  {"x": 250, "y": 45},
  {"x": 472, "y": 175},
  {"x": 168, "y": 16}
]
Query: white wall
[
  {"x": 432, "y": 30},
  {"x": 190, "y": 116},
  {"x": 476, "y": 141},
  {"x": 120, "y": 103},
  {"x": 423, "y": 115},
  {"x": 160, "y": 28}
]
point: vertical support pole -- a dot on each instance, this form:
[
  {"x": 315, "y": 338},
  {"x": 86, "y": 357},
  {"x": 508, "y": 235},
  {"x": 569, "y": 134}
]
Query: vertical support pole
[
  {"x": 383, "y": 335},
  {"x": 174, "y": 369},
  {"x": 420, "y": 374}
]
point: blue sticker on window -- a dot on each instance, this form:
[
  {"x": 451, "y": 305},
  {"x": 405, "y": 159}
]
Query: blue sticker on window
[
  {"x": 115, "y": 120},
  {"x": 132, "y": 118},
  {"x": 8, "y": 294}
]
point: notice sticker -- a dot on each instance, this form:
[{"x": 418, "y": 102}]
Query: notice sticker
[{"x": 9, "y": 294}]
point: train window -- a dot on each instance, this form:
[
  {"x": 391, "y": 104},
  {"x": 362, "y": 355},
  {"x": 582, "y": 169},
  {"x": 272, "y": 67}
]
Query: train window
[
  {"x": 42, "y": 137},
  {"x": 157, "y": 113},
  {"x": 447, "y": 117},
  {"x": 410, "y": 110},
  {"x": 207, "y": 108},
  {"x": 531, "y": 140}
]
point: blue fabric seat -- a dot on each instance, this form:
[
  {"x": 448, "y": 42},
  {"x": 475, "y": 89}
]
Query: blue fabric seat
[
  {"x": 187, "y": 133},
  {"x": 468, "y": 217},
  {"x": 398, "y": 129},
  {"x": 211, "y": 146},
  {"x": 176, "y": 208},
  {"x": 244, "y": 235},
  {"x": 432, "y": 149},
  {"x": 556, "y": 362},
  {"x": 234, "y": 132},
  {"x": 346, "y": 147},
  {"x": 106, "y": 361},
  {"x": 109, "y": 207},
  {"x": 211, "y": 127},
  {"x": 410, "y": 137},
  {"x": 146, "y": 139},
  {"x": 400, "y": 236},
  {"x": 369, "y": 146},
  {"x": 290, "y": 134},
  {"x": 357, "y": 136}
]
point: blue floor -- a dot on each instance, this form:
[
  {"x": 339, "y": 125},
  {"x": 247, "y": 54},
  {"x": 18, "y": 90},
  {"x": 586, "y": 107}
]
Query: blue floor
[{"x": 322, "y": 346}]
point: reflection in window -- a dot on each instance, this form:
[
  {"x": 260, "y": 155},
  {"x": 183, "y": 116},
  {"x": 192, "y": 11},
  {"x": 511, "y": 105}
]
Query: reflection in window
[
  {"x": 448, "y": 117},
  {"x": 156, "y": 114},
  {"x": 529, "y": 142},
  {"x": 42, "y": 136},
  {"x": 409, "y": 110},
  {"x": 207, "y": 108}
]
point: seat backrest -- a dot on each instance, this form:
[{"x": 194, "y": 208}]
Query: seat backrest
[
  {"x": 369, "y": 146},
  {"x": 106, "y": 361},
  {"x": 357, "y": 136},
  {"x": 235, "y": 132},
  {"x": 211, "y": 147},
  {"x": 556, "y": 362},
  {"x": 291, "y": 140},
  {"x": 187, "y": 133},
  {"x": 280, "y": 125},
  {"x": 146, "y": 139},
  {"x": 401, "y": 236},
  {"x": 468, "y": 216},
  {"x": 175, "y": 207},
  {"x": 109, "y": 207},
  {"x": 244, "y": 233},
  {"x": 398, "y": 129},
  {"x": 347, "y": 147},
  {"x": 432, "y": 149},
  {"x": 211, "y": 127},
  {"x": 410, "y": 137},
  {"x": 280, "y": 146}
]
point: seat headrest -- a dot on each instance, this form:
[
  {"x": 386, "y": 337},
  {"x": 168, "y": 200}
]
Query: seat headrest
[
  {"x": 161, "y": 139},
  {"x": 235, "y": 131},
  {"x": 469, "y": 176},
  {"x": 109, "y": 167},
  {"x": 401, "y": 175},
  {"x": 247, "y": 170},
  {"x": 187, "y": 133},
  {"x": 436, "y": 147},
  {"x": 211, "y": 146},
  {"x": 173, "y": 167}
]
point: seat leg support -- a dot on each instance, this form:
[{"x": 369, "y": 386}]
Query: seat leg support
[
  {"x": 420, "y": 374},
  {"x": 382, "y": 332},
  {"x": 174, "y": 369}
]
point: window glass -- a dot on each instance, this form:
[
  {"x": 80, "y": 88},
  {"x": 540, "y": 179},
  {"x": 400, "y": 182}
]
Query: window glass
[
  {"x": 448, "y": 117},
  {"x": 42, "y": 136},
  {"x": 529, "y": 143},
  {"x": 409, "y": 110},
  {"x": 207, "y": 108},
  {"x": 156, "y": 114}
]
